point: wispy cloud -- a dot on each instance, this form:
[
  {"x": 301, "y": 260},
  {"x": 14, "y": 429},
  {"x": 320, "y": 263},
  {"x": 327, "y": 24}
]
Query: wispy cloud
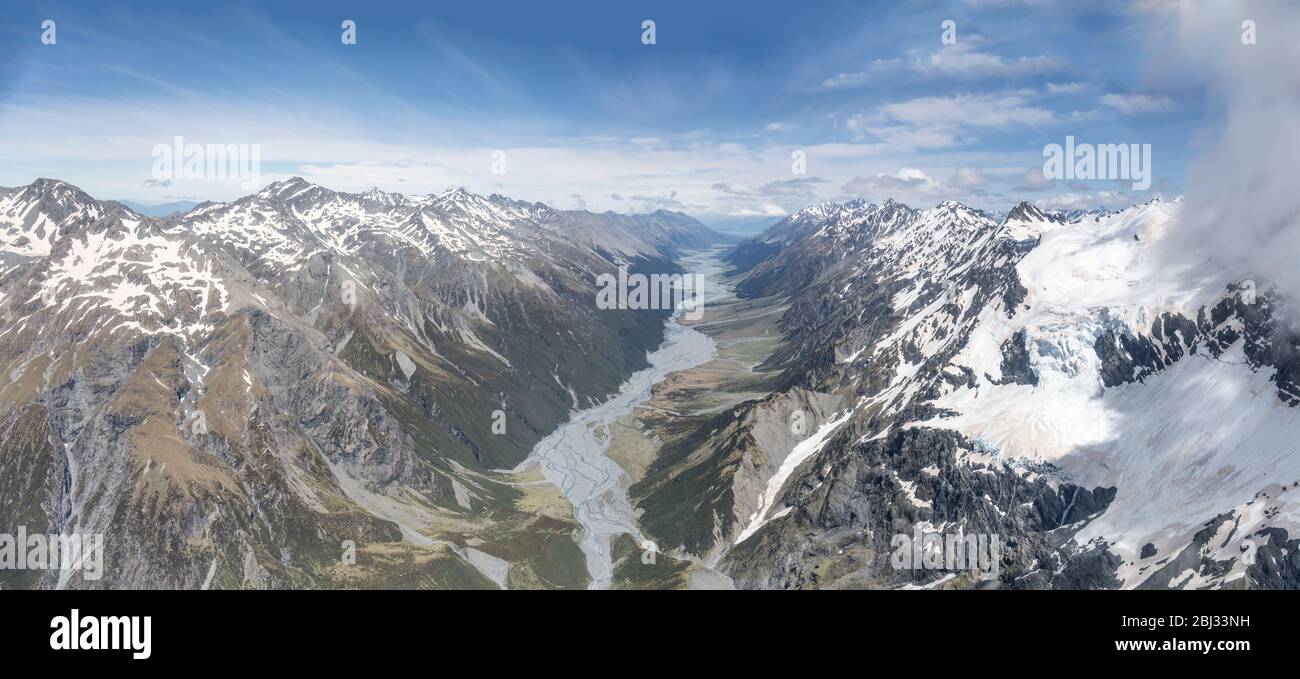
[
  {"x": 914, "y": 186},
  {"x": 1066, "y": 88},
  {"x": 945, "y": 122},
  {"x": 1138, "y": 104},
  {"x": 960, "y": 61},
  {"x": 968, "y": 110},
  {"x": 965, "y": 61}
]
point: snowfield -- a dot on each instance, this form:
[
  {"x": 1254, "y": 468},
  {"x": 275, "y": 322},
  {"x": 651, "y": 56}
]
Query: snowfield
[{"x": 1203, "y": 437}]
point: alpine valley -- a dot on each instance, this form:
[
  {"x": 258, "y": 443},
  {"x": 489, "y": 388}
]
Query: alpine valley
[{"x": 308, "y": 388}]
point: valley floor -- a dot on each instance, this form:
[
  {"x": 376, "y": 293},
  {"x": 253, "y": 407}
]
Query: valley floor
[{"x": 745, "y": 333}]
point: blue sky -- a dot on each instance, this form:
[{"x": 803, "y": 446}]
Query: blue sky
[{"x": 704, "y": 121}]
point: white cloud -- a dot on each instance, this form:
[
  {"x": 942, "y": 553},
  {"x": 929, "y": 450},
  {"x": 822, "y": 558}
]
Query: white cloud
[
  {"x": 962, "y": 60},
  {"x": 904, "y": 185},
  {"x": 933, "y": 123},
  {"x": 1086, "y": 200},
  {"x": 846, "y": 80},
  {"x": 1241, "y": 209},
  {"x": 761, "y": 210},
  {"x": 917, "y": 188},
  {"x": 777, "y": 197},
  {"x": 1033, "y": 180},
  {"x": 967, "y": 110},
  {"x": 901, "y": 137},
  {"x": 1138, "y": 104},
  {"x": 967, "y": 178},
  {"x": 1066, "y": 88}
]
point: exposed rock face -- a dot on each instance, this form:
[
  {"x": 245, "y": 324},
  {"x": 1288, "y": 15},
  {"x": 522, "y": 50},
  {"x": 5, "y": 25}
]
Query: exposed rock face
[
  {"x": 1016, "y": 368},
  {"x": 703, "y": 489},
  {"x": 848, "y": 512},
  {"x": 234, "y": 395}
]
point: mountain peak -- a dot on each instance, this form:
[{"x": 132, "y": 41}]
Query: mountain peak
[
  {"x": 1026, "y": 223},
  {"x": 56, "y": 188},
  {"x": 377, "y": 195},
  {"x": 45, "y": 183},
  {"x": 287, "y": 188},
  {"x": 63, "y": 194},
  {"x": 459, "y": 195},
  {"x": 821, "y": 210},
  {"x": 1027, "y": 212},
  {"x": 890, "y": 205}
]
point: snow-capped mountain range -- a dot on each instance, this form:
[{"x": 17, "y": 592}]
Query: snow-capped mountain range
[
  {"x": 1121, "y": 413},
  {"x": 253, "y": 382},
  {"x": 231, "y": 394}
]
